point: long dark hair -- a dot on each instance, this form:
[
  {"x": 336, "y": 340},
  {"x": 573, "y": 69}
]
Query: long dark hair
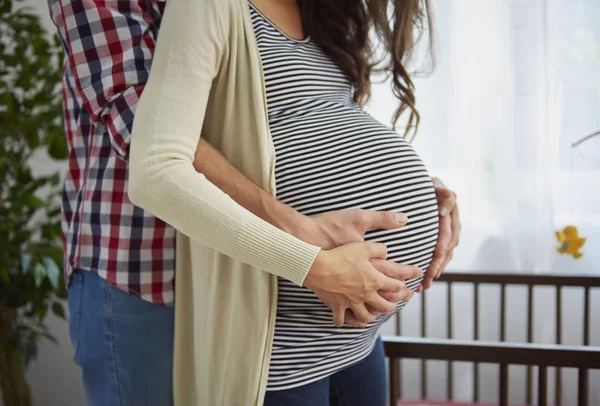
[{"x": 344, "y": 29}]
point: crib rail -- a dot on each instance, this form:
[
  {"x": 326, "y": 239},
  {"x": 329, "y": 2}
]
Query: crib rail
[
  {"x": 531, "y": 281},
  {"x": 503, "y": 354}
]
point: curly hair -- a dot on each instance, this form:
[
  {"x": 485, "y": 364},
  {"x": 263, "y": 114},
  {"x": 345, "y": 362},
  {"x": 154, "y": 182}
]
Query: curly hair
[{"x": 343, "y": 29}]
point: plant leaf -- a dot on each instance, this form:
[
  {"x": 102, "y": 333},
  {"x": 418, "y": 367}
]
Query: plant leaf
[
  {"x": 33, "y": 201},
  {"x": 39, "y": 273},
  {"x": 31, "y": 351},
  {"x": 25, "y": 262},
  {"x": 55, "y": 179},
  {"x": 52, "y": 271},
  {"x": 5, "y": 6},
  {"x": 50, "y": 337},
  {"x": 58, "y": 310},
  {"x": 42, "y": 311}
]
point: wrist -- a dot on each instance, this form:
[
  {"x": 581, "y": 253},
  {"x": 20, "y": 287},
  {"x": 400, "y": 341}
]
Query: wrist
[
  {"x": 317, "y": 270},
  {"x": 291, "y": 221}
]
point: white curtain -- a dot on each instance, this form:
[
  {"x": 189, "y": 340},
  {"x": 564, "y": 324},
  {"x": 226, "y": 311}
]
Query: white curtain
[{"x": 516, "y": 82}]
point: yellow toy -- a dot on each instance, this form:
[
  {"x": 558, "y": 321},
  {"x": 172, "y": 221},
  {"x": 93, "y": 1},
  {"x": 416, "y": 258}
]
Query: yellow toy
[{"x": 569, "y": 240}]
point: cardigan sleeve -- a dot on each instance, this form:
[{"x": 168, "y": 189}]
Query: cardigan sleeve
[{"x": 166, "y": 131}]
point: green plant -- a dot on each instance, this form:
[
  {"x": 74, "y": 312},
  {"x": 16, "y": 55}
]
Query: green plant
[{"x": 31, "y": 126}]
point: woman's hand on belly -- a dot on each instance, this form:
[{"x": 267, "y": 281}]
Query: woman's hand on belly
[
  {"x": 346, "y": 278},
  {"x": 449, "y": 233}
]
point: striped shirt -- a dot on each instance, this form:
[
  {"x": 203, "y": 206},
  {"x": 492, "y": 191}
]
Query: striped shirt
[{"x": 331, "y": 155}]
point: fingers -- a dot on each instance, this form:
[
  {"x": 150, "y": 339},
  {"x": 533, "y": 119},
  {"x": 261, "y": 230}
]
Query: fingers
[
  {"x": 445, "y": 197},
  {"x": 339, "y": 314},
  {"x": 428, "y": 278},
  {"x": 389, "y": 284},
  {"x": 382, "y": 219},
  {"x": 445, "y": 235},
  {"x": 397, "y": 271},
  {"x": 376, "y": 250},
  {"x": 456, "y": 226},
  {"x": 448, "y": 259},
  {"x": 395, "y": 297},
  {"x": 446, "y": 200},
  {"x": 439, "y": 256},
  {"x": 362, "y": 313},
  {"x": 378, "y": 304},
  {"x": 352, "y": 320},
  {"x": 437, "y": 182}
]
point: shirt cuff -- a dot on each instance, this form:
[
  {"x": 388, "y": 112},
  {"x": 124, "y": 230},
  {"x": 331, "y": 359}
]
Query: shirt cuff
[{"x": 275, "y": 251}]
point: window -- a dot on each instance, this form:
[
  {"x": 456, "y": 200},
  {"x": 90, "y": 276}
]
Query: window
[{"x": 516, "y": 83}]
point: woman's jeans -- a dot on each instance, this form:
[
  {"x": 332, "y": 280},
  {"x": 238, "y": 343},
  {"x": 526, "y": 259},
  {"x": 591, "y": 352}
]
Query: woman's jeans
[
  {"x": 361, "y": 384},
  {"x": 123, "y": 344}
]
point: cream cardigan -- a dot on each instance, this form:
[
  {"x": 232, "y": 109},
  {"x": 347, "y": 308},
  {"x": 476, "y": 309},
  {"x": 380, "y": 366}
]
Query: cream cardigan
[{"x": 206, "y": 78}]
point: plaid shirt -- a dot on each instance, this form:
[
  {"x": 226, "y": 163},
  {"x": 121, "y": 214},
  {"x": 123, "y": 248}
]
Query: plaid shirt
[{"x": 109, "y": 46}]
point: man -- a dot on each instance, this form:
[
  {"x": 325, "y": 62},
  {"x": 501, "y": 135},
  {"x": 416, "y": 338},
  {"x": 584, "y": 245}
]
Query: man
[{"x": 119, "y": 260}]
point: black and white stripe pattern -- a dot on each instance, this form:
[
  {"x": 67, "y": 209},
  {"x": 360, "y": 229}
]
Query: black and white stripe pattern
[{"x": 331, "y": 155}]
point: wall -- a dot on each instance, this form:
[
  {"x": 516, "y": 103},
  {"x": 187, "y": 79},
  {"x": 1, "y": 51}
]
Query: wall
[{"x": 53, "y": 377}]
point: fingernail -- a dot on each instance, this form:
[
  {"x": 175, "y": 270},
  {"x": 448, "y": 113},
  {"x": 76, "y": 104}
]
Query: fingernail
[
  {"x": 443, "y": 211},
  {"x": 401, "y": 218}
]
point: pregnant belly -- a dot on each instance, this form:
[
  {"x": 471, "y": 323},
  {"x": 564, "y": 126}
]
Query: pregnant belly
[{"x": 374, "y": 169}]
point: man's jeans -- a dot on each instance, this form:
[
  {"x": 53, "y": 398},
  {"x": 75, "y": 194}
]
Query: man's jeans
[{"x": 124, "y": 345}]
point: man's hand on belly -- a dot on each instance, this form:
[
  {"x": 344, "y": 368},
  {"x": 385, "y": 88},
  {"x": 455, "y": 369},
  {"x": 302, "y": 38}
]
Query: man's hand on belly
[
  {"x": 449, "y": 233},
  {"x": 336, "y": 228}
]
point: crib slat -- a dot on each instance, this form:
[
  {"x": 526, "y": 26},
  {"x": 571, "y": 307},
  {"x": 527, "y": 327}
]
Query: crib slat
[
  {"x": 476, "y": 337},
  {"x": 423, "y": 362},
  {"x": 450, "y": 380},
  {"x": 449, "y": 311},
  {"x": 586, "y": 316},
  {"x": 583, "y": 387},
  {"x": 558, "y": 386},
  {"x": 503, "y": 312},
  {"x": 503, "y": 385},
  {"x": 529, "y": 339},
  {"x": 399, "y": 368},
  {"x": 395, "y": 384},
  {"x": 423, "y": 315},
  {"x": 542, "y": 386}
]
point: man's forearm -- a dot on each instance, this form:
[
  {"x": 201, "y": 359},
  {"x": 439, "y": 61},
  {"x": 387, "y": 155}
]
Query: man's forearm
[{"x": 212, "y": 164}]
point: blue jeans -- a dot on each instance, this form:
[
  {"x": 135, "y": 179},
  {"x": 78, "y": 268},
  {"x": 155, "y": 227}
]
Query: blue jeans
[
  {"x": 361, "y": 384},
  {"x": 124, "y": 345}
]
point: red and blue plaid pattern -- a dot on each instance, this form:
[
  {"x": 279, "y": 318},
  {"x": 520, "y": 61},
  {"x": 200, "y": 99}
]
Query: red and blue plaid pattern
[{"x": 109, "y": 47}]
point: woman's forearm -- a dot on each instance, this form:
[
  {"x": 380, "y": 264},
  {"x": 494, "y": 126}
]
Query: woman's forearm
[{"x": 166, "y": 131}]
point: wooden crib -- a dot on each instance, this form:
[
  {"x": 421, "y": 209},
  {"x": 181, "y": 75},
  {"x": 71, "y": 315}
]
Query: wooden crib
[{"x": 535, "y": 356}]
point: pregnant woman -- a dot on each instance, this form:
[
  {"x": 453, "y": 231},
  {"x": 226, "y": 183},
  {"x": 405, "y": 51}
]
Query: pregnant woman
[
  {"x": 331, "y": 155},
  {"x": 276, "y": 87}
]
